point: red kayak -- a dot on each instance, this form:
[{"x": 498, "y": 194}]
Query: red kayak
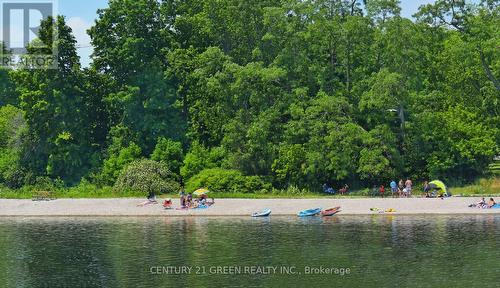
[{"x": 330, "y": 212}]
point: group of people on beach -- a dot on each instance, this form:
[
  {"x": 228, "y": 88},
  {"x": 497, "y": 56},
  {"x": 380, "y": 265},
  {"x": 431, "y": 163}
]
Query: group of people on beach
[
  {"x": 400, "y": 189},
  {"x": 190, "y": 202},
  {"x": 187, "y": 201},
  {"x": 483, "y": 204},
  {"x": 329, "y": 190}
]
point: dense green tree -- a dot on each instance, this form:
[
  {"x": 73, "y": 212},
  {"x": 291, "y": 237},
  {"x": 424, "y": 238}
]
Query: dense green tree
[
  {"x": 199, "y": 158},
  {"x": 289, "y": 92},
  {"x": 170, "y": 153},
  {"x": 476, "y": 24},
  {"x": 132, "y": 52},
  {"x": 57, "y": 142},
  {"x": 12, "y": 127},
  {"x": 121, "y": 151},
  {"x": 7, "y": 89}
]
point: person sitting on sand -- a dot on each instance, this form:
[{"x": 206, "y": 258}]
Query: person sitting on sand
[
  {"x": 491, "y": 203},
  {"x": 152, "y": 196},
  {"x": 327, "y": 189},
  {"x": 151, "y": 200},
  {"x": 406, "y": 192},
  {"x": 401, "y": 187},
  {"x": 203, "y": 199},
  {"x": 167, "y": 204},
  {"x": 195, "y": 204},
  {"x": 480, "y": 204},
  {"x": 344, "y": 189},
  {"x": 189, "y": 200}
]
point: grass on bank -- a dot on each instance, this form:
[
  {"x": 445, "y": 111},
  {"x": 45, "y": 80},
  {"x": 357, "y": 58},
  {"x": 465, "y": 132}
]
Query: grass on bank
[{"x": 483, "y": 187}]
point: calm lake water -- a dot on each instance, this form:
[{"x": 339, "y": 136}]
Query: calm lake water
[{"x": 365, "y": 251}]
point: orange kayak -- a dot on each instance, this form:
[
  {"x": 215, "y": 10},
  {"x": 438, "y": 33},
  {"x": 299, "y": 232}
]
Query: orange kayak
[{"x": 330, "y": 212}]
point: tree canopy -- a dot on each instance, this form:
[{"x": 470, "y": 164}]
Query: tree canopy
[{"x": 290, "y": 92}]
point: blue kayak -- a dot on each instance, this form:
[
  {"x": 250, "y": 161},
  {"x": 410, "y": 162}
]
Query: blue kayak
[
  {"x": 309, "y": 212},
  {"x": 263, "y": 213}
]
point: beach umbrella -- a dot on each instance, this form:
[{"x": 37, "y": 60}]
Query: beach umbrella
[
  {"x": 201, "y": 191},
  {"x": 436, "y": 184}
]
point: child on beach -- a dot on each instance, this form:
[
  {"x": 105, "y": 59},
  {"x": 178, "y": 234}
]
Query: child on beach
[
  {"x": 401, "y": 186},
  {"x": 382, "y": 191}
]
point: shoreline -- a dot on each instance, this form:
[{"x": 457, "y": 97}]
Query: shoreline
[{"x": 238, "y": 207}]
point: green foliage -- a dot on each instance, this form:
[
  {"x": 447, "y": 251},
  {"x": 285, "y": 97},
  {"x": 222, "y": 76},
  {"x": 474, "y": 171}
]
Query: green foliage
[
  {"x": 147, "y": 176},
  {"x": 380, "y": 159},
  {"x": 290, "y": 165},
  {"x": 456, "y": 143},
  {"x": 132, "y": 53},
  {"x": 59, "y": 140},
  {"x": 220, "y": 180},
  {"x": 386, "y": 93},
  {"x": 12, "y": 124},
  {"x": 299, "y": 93},
  {"x": 8, "y": 94},
  {"x": 12, "y": 127},
  {"x": 170, "y": 153},
  {"x": 199, "y": 158},
  {"x": 114, "y": 165}
]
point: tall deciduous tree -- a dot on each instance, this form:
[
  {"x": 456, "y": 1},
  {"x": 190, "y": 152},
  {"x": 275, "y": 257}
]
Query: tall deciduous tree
[
  {"x": 57, "y": 142},
  {"x": 133, "y": 52}
]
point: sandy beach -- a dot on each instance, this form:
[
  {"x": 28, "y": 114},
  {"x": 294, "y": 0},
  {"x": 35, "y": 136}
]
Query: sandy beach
[{"x": 237, "y": 207}]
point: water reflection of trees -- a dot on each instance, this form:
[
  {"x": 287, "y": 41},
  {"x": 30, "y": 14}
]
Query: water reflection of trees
[{"x": 120, "y": 252}]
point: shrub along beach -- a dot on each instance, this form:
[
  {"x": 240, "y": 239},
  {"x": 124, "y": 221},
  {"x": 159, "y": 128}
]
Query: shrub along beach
[{"x": 291, "y": 97}]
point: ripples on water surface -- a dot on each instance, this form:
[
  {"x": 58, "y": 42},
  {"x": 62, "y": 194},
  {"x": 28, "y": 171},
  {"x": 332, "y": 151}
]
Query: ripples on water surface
[{"x": 380, "y": 251}]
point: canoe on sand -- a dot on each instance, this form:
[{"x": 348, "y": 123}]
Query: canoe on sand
[
  {"x": 263, "y": 213},
  {"x": 330, "y": 212},
  {"x": 309, "y": 212}
]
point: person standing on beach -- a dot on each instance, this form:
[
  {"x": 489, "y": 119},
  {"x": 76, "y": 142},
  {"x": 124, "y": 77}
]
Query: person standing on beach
[
  {"x": 394, "y": 188},
  {"x": 183, "y": 199},
  {"x": 408, "y": 185},
  {"x": 427, "y": 190},
  {"x": 382, "y": 191}
]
